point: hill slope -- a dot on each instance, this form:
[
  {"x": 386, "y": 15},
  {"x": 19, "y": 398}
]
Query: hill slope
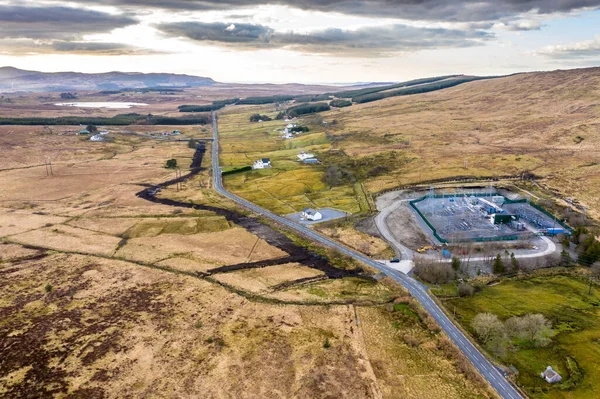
[
  {"x": 41, "y": 81},
  {"x": 545, "y": 123}
]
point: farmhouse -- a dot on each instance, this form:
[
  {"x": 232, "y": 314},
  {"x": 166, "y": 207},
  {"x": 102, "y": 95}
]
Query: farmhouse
[
  {"x": 550, "y": 375},
  {"x": 96, "y": 137},
  {"x": 303, "y": 155},
  {"x": 262, "y": 163},
  {"x": 311, "y": 214}
]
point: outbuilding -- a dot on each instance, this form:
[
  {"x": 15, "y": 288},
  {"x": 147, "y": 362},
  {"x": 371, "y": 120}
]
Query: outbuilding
[{"x": 550, "y": 375}]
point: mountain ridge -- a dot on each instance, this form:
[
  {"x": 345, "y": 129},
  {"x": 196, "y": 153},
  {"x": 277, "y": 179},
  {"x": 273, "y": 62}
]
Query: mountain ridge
[{"x": 12, "y": 78}]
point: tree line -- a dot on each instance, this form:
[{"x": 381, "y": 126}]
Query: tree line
[
  {"x": 118, "y": 120},
  {"x": 424, "y": 88},
  {"x": 371, "y": 90}
]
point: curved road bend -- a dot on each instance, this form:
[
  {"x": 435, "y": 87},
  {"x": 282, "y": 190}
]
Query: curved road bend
[{"x": 485, "y": 367}]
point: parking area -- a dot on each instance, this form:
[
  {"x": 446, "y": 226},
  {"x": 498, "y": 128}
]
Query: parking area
[{"x": 327, "y": 213}]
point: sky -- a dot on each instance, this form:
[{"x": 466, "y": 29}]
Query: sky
[{"x": 301, "y": 41}]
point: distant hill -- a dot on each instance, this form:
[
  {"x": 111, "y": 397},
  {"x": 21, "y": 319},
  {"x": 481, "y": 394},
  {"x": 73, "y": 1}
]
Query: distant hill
[{"x": 22, "y": 80}]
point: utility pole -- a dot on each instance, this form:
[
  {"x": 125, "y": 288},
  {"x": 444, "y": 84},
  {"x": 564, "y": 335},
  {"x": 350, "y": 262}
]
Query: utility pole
[
  {"x": 51, "y": 171},
  {"x": 46, "y": 165}
]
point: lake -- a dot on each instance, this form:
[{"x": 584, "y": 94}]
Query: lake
[{"x": 101, "y": 105}]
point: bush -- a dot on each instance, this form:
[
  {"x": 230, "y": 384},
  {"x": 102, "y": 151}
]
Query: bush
[
  {"x": 171, "y": 164},
  {"x": 498, "y": 265},
  {"x": 411, "y": 341},
  {"x": 259, "y": 117},
  {"x": 434, "y": 272},
  {"x": 326, "y": 344},
  {"x": 465, "y": 290},
  {"x": 48, "y": 288},
  {"x": 455, "y": 263}
]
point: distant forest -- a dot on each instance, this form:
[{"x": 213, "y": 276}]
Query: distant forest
[{"x": 119, "y": 120}]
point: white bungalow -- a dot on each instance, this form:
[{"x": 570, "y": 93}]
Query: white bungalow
[
  {"x": 550, "y": 375},
  {"x": 262, "y": 163},
  {"x": 96, "y": 137},
  {"x": 311, "y": 215},
  {"x": 303, "y": 155},
  {"x": 288, "y": 136}
]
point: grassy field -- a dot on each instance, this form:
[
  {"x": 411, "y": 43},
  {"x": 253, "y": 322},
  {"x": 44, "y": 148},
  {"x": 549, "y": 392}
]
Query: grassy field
[
  {"x": 574, "y": 351},
  {"x": 289, "y": 186}
]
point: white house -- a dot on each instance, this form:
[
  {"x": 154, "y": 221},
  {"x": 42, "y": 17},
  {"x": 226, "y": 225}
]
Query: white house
[
  {"x": 303, "y": 155},
  {"x": 96, "y": 137},
  {"x": 550, "y": 375},
  {"x": 311, "y": 214},
  {"x": 288, "y": 136},
  {"x": 262, "y": 163}
]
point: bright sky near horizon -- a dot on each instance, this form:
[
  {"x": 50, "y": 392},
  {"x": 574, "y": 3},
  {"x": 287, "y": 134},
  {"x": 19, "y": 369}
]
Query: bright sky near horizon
[{"x": 305, "y": 41}]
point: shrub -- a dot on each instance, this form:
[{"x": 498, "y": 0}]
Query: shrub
[
  {"x": 455, "y": 263},
  {"x": 434, "y": 272},
  {"x": 326, "y": 344},
  {"x": 498, "y": 265},
  {"x": 466, "y": 290},
  {"x": 171, "y": 164},
  {"x": 411, "y": 341},
  {"x": 259, "y": 117},
  {"x": 48, "y": 288}
]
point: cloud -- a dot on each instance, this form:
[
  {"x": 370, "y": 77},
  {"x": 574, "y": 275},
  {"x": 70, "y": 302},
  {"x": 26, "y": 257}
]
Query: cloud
[
  {"x": 520, "y": 25},
  {"x": 366, "y": 41},
  {"x": 56, "y": 23},
  {"x": 430, "y": 10},
  {"x": 585, "y": 49},
  {"x": 30, "y": 46}
]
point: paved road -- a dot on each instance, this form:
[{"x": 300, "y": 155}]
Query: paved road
[{"x": 418, "y": 291}]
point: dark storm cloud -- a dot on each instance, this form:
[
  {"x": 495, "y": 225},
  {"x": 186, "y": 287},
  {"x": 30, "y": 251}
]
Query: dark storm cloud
[
  {"x": 432, "y": 10},
  {"x": 56, "y": 23},
  {"x": 365, "y": 41}
]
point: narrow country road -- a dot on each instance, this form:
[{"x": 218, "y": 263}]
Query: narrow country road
[{"x": 485, "y": 367}]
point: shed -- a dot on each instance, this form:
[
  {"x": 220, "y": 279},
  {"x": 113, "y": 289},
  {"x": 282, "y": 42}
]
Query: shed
[
  {"x": 550, "y": 375},
  {"x": 311, "y": 160}
]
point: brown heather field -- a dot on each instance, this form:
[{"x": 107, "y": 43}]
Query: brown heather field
[
  {"x": 545, "y": 123},
  {"x": 109, "y": 295}
]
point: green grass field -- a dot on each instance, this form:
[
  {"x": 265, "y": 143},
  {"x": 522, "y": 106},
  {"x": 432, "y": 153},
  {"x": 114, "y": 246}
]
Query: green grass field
[
  {"x": 575, "y": 315},
  {"x": 289, "y": 186}
]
